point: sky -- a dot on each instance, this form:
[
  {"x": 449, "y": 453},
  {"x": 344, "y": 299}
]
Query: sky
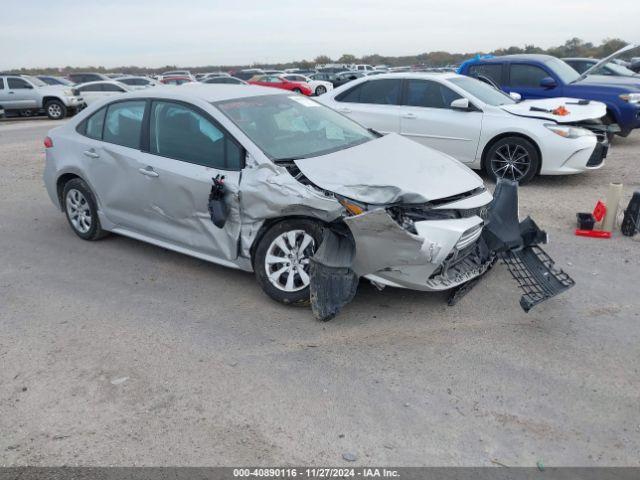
[{"x": 154, "y": 33}]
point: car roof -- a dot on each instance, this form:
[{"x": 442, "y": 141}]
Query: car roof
[
  {"x": 113, "y": 82},
  {"x": 536, "y": 57},
  {"x": 209, "y": 92},
  {"x": 581, "y": 58},
  {"x": 417, "y": 75}
]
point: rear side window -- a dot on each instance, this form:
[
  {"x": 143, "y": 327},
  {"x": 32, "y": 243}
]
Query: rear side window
[
  {"x": 109, "y": 87},
  {"x": 1, "y": 83},
  {"x": 179, "y": 132},
  {"x": 528, "y": 76},
  {"x": 426, "y": 93},
  {"x": 489, "y": 70},
  {"x": 123, "y": 123},
  {"x": 95, "y": 123},
  {"x": 378, "y": 92}
]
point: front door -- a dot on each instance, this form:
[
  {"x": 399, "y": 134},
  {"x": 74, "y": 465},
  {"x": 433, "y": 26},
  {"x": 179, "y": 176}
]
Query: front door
[
  {"x": 525, "y": 79},
  {"x": 20, "y": 94},
  {"x": 187, "y": 149},
  {"x": 427, "y": 118}
]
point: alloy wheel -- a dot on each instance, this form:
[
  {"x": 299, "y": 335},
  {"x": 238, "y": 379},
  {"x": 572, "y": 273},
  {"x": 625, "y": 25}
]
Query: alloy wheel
[
  {"x": 320, "y": 90},
  {"x": 287, "y": 261},
  {"x": 511, "y": 161},
  {"x": 54, "y": 110},
  {"x": 78, "y": 210}
]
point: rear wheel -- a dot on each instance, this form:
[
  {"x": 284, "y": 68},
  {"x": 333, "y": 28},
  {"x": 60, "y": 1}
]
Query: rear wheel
[
  {"x": 55, "y": 109},
  {"x": 282, "y": 260},
  {"x": 81, "y": 210},
  {"x": 513, "y": 158}
]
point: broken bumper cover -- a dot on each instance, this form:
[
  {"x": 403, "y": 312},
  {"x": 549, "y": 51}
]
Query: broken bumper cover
[{"x": 442, "y": 254}]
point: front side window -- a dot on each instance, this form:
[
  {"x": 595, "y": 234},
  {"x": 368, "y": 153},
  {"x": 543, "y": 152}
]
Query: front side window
[
  {"x": 378, "y": 92},
  {"x": 123, "y": 123},
  {"x": 430, "y": 94},
  {"x": 1, "y": 83},
  {"x": 527, "y": 76},
  {"x": 18, "y": 84},
  {"x": 289, "y": 127},
  {"x": 180, "y": 132}
]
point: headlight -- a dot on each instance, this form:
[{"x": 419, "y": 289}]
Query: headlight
[
  {"x": 68, "y": 93},
  {"x": 633, "y": 98},
  {"x": 569, "y": 132}
]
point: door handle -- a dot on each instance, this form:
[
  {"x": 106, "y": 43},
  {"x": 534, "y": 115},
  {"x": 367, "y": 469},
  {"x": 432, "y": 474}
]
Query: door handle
[
  {"x": 90, "y": 154},
  {"x": 410, "y": 116},
  {"x": 12, "y": 93},
  {"x": 149, "y": 172},
  {"x": 344, "y": 110}
]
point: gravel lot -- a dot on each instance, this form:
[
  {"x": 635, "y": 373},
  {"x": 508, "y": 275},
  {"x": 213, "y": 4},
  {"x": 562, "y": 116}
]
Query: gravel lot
[{"x": 121, "y": 353}]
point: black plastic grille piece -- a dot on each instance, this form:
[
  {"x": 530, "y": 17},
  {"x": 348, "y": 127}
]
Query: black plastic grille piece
[
  {"x": 536, "y": 275},
  {"x": 598, "y": 155}
]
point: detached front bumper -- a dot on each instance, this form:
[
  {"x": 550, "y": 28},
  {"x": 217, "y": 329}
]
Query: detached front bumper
[{"x": 441, "y": 255}]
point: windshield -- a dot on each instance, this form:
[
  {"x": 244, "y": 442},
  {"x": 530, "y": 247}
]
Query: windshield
[
  {"x": 289, "y": 127},
  {"x": 36, "y": 81},
  {"x": 483, "y": 91},
  {"x": 617, "y": 69},
  {"x": 563, "y": 70}
]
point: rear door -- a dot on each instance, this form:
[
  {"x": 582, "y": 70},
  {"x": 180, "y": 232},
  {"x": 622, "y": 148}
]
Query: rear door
[
  {"x": 374, "y": 104},
  {"x": 186, "y": 149},
  {"x": 427, "y": 118}
]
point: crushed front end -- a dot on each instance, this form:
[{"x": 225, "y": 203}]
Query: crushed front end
[{"x": 444, "y": 245}]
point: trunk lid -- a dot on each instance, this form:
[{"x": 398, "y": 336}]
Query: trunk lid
[
  {"x": 543, "y": 109},
  {"x": 390, "y": 169}
]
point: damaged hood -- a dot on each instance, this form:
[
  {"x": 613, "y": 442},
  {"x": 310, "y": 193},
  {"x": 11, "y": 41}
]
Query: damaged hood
[
  {"x": 543, "y": 109},
  {"x": 390, "y": 169}
]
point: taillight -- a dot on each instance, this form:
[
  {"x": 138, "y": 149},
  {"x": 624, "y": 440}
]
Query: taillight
[{"x": 48, "y": 143}]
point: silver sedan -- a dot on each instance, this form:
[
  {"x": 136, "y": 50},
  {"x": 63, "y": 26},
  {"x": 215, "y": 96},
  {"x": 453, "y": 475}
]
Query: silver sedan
[{"x": 275, "y": 183}]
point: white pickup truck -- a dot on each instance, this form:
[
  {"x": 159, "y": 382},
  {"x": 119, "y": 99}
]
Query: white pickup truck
[{"x": 26, "y": 94}]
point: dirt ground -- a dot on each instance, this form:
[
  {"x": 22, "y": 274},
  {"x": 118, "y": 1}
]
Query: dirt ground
[{"x": 121, "y": 353}]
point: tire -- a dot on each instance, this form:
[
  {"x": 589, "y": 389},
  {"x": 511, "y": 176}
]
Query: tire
[
  {"x": 81, "y": 210},
  {"x": 289, "y": 286},
  {"x": 296, "y": 90},
  {"x": 609, "y": 120},
  {"x": 320, "y": 90},
  {"x": 56, "y": 110},
  {"x": 514, "y": 158}
]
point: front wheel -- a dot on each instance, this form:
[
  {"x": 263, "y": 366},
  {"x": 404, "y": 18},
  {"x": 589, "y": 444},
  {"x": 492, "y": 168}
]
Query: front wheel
[
  {"x": 321, "y": 90},
  {"x": 296, "y": 90},
  {"x": 513, "y": 158},
  {"x": 282, "y": 259},
  {"x": 55, "y": 109}
]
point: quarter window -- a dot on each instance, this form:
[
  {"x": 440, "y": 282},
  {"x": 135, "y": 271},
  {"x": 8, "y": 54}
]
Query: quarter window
[
  {"x": 123, "y": 123},
  {"x": 181, "y": 133},
  {"x": 528, "y": 76},
  {"x": 95, "y": 124},
  {"x": 18, "y": 84},
  {"x": 426, "y": 93}
]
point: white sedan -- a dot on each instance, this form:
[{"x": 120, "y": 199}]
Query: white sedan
[
  {"x": 94, "y": 91},
  {"x": 138, "y": 83},
  {"x": 479, "y": 125},
  {"x": 319, "y": 87}
]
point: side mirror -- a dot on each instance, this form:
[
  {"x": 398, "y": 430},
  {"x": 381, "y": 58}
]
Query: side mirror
[
  {"x": 460, "y": 104},
  {"x": 548, "y": 82},
  {"x": 516, "y": 96}
]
